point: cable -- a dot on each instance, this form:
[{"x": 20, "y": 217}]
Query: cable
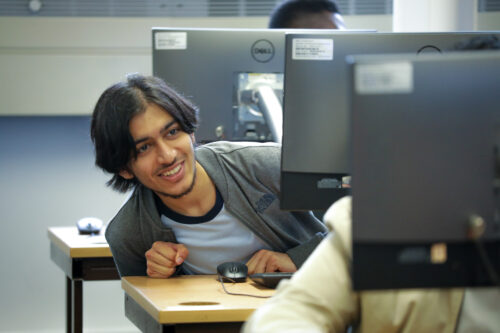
[
  {"x": 487, "y": 263},
  {"x": 477, "y": 227},
  {"x": 238, "y": 294}
]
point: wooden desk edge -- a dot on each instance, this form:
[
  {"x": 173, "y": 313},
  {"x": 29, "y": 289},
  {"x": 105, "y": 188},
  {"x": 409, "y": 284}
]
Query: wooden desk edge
[
  {"x": 140, "y": 299},
  {"x": 97, "y": 251},
  {"x": 63, "y": 246},
  {"x": 182, "y": 317}
]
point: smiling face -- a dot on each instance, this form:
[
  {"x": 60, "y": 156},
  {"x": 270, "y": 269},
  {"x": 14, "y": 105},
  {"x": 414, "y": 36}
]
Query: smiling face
[{"x": 165, "y": 160}]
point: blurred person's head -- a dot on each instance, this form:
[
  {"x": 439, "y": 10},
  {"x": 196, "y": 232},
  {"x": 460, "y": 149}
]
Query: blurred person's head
[{"x": 306, "y": 14}]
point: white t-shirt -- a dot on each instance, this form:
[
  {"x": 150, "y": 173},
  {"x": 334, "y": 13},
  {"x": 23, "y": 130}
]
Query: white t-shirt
[{"x": 212, "y": 239}]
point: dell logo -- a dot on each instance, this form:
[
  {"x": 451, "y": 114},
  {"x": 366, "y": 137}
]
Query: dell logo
[{"x": 262, "y": 50}]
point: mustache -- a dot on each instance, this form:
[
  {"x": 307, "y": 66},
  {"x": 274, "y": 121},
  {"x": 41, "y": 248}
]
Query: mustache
[
  {"x": 180, "y": 195},
  {"x": 165, "y": 166}
]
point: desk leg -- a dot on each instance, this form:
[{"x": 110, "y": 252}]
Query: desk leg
[
  {"x": 74, "y": 306},
  {"x": 69, "y": 304}
]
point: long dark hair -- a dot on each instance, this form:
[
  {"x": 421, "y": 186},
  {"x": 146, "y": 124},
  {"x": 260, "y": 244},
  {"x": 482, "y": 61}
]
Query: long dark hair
[{"x": 114, "y": 146}]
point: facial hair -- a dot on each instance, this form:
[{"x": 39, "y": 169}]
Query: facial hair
[{"x": 180, "y": 195}]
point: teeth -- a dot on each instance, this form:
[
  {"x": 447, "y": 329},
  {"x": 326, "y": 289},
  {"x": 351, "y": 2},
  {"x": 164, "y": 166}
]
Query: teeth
[{"x": 173, "y": 171}]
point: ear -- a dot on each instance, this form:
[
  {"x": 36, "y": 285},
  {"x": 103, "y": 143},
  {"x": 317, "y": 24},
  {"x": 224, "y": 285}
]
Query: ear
[{"x": 126, "y": 174}]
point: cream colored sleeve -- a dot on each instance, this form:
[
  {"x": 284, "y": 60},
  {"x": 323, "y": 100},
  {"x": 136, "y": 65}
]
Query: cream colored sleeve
[{"x": 319, "y": 297}]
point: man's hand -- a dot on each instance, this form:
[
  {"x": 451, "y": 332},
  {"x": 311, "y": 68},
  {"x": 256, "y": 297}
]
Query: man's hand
[
  {"x": 163, "y": 259},
  {"x": 264, "y": 261}
]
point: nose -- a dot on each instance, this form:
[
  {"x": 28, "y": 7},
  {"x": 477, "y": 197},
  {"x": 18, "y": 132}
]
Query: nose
[{"x": 166, "y": 153}]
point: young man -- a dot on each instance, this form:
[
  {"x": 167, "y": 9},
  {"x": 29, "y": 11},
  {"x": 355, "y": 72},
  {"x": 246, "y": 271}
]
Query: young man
[
  {"x": 191, "y": 208},
  {"x": 306, "y": 14}
]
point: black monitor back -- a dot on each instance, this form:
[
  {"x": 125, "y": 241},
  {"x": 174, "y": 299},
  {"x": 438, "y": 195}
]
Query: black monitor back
[
  {"x": 315, "y": 107},
  {"x": 425, "y": 140}
]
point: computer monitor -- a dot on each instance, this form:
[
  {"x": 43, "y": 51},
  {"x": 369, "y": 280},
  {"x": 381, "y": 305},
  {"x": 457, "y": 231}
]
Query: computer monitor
[
  {"x": 219, "y": 70},
  {"x": 315, "y": 108},
  {"x": 234, "y": 76},
  {"x": 426, "y": 170}
]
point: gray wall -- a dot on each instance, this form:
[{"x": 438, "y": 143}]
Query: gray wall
[
  {"x": 48, "y": 179},
  {"x": 53, "y": 69}
]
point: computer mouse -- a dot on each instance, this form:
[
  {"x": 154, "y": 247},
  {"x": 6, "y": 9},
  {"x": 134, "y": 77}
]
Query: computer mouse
[
  {"x": 233, "y": 271},
  {"x": 89, "y": 225}
]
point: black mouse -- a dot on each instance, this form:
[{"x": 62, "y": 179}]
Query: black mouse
[
  {"x": 89, "y": 226},
  {"x": 233, "y": 271}
]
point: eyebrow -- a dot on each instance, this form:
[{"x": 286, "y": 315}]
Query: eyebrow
[{"x": 166, "y": 127}]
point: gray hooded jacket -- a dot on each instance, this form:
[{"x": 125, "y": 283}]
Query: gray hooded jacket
[{"x": 247, "y": 176}]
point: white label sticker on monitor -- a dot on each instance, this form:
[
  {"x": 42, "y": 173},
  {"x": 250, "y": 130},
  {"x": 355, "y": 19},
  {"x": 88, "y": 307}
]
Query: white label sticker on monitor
[
  {"x": 171, "y": 40},
  {"x": 385, "y": 78},
  {"x": 312, "y": 49}
]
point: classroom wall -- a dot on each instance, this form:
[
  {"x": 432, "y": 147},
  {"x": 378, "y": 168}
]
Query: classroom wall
[
  {"x": 52, "y": 71},
  {"x": 61, "y": 65}
]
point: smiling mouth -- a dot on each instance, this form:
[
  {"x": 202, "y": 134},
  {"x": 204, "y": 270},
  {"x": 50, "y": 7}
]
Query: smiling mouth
[{"x": 173, "y": 171}]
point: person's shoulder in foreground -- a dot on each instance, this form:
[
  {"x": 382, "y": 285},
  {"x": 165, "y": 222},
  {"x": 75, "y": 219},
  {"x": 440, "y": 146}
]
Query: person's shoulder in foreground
[{"x": 319, "y": 297}]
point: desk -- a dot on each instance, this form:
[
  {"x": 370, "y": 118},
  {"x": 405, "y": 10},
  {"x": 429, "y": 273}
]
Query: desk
[
  {"x": 189, "y": 303},
  {"x": 82, "y": 258}
]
